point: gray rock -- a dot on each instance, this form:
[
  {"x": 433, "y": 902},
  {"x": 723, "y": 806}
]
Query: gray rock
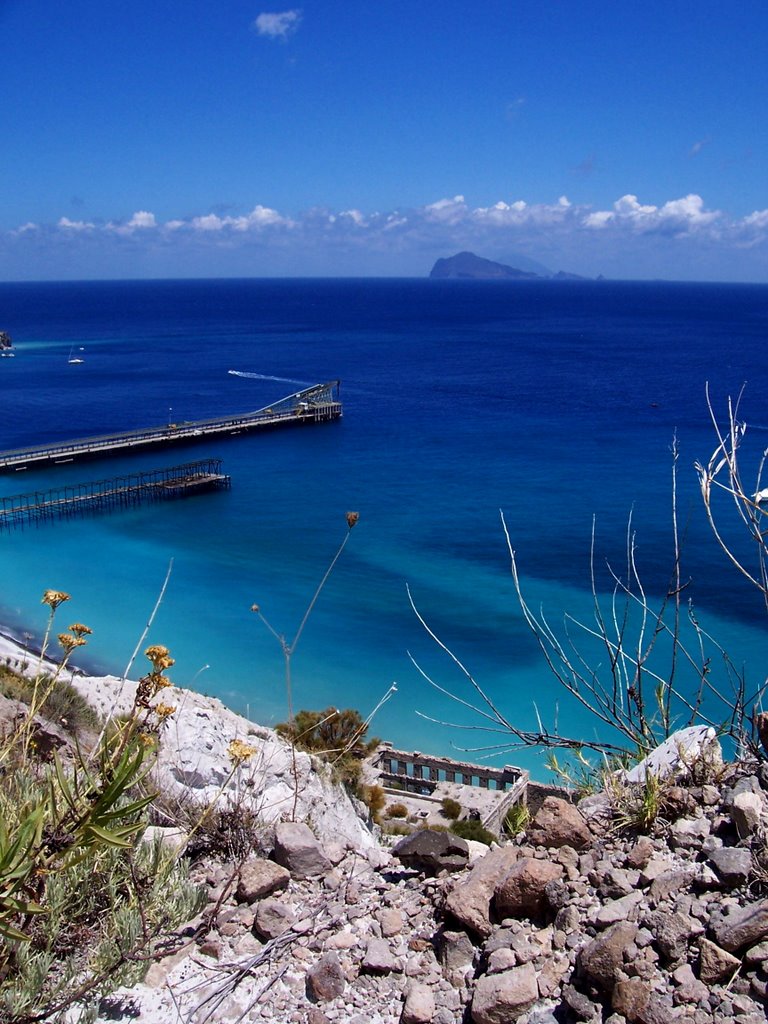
[
  {"x": 259, "y": 878},
  {"x": 499, "y": 998},
  {"x": 299, "y": 851},
  {"x": 325, "y": 980},
  {"x": 431, "y": 852},
  {"x": 599, "y": 963},
  {"x": 379, "y": 958},
  {"x": 624, "y": 909},
  {"x": 732, "y": 864},
  {"x": 686, "y": 833},
  {"x": 272, "y": 919},
  {"x": 747, "y": 812},
  {"x": 456, "y": 954},
  {"x": 741, "y": 926}
]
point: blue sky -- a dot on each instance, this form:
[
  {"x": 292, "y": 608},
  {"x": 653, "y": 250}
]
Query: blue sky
[{"x": 370, "y": 137}]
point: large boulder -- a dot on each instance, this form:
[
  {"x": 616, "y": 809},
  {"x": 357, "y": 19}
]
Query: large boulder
[
  {"x": 430, "y": 852},
  {"x": 500, "y": 998},
  {"x": 559, "y": 823},
  {"x": 673, "y": 757},
  {"x": 419, "y": 1007},
  {"x": 470, "y": 899},
  {"x": 599, "y": 964},
  {"x": 297, "y": 850},
  {"x": 521, "y": 893}
]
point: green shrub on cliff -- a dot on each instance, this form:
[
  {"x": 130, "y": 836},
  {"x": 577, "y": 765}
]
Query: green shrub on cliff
[{"x": 83, "y": 903}]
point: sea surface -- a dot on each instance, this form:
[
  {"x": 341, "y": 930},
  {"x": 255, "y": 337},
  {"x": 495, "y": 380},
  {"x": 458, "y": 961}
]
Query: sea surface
[{"x": 554, "y": 403}]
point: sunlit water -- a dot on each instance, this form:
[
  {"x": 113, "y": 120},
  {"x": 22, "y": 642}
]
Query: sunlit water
[{"x": 554, "y": 402}]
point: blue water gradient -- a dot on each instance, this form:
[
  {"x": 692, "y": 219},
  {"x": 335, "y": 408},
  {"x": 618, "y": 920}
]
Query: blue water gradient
[{"x": 554, "y": 402}]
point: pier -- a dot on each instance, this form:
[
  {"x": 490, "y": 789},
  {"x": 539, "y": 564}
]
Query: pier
[
  {"x": 117, "y": 492},
  {"x": 318, "y": 404}
]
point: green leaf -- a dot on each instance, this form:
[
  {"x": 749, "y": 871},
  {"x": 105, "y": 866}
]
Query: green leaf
[{"x": 110, "y": 838}]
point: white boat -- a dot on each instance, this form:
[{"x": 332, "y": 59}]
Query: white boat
[
  {"x": 74, "y": 359},
  {"x": 761, "y": 496}
]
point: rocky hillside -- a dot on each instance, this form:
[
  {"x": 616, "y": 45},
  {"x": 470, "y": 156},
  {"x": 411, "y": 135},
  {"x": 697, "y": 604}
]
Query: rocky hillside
[
  {"x": 645, "y": 904},
  {"x": 581, "y": 918}
]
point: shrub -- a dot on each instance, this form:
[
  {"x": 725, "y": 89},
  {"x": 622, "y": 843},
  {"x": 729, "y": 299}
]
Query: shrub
[
  {"x": 83, "y": 903},
  {"x": 397, "y": 828},
  {"x": 397, "y": 811},
  {"x": 472, "y": 829},
  {"x": 336, "y": 736},
  {"x": 63, "y": 705},
  {"x": 450, "y": 808},
  {"x": 375, "y": 799},
  {"x": 516, "y": 819}
]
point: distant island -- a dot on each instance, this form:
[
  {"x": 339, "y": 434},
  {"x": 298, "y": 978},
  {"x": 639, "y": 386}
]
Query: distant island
[{"x": 466, "y": 265}]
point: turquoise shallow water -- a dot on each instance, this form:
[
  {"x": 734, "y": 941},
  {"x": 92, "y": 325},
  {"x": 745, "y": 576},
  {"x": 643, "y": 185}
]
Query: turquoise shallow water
[{"x": 553, "y": 402}]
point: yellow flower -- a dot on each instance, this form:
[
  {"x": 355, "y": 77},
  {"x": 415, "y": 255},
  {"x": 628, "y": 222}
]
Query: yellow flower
[
  {"x": 54, "y": 598},
  {"x": 163, "y": 710},
  {"x": 238, "y": 751},
  {"x": 160, "y": 657},
  {"x": 68, "y": 641},
  {"x": 79, "y": 629}
]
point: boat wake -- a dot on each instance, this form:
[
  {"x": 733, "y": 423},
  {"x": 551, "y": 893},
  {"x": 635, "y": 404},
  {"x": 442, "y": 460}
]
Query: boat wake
[{"x": 266, "y": 376}]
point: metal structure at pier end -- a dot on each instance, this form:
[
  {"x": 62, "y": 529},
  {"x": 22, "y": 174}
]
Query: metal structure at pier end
[
  {"x": 107, "y": 495},
  {"x": 318, "y": 404}
]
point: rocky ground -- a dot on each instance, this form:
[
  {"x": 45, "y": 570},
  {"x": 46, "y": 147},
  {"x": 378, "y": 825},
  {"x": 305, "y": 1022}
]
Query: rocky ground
[
  {"x": 581, "y": 918},
  {"x": 573, "y": 921}
]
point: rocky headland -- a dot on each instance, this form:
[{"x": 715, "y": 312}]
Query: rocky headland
[{"x": 583, "y": 916}]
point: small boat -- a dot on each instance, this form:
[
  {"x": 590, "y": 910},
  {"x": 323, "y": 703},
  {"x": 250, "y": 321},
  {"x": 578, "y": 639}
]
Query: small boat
[
  {"x": 74, "y": 359},
  {"x": 761, "y": 496},
  {"x": 6, "y": 346}
]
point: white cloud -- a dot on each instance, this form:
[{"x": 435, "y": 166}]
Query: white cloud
[
  {"x": 142, "y": 219},
  {"x": 758, "y": 219},
  {"x": 278, "y": 26},
  {"x": 447, "y": 211},
  {"x": 676, "y": 216},
  {"x": 579, "y": 237},
  {"x": 74, "y": 225}
]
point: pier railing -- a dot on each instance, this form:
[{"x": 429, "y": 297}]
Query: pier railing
[{"x": 317, "y": 404}]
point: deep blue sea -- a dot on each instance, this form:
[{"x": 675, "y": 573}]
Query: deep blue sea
[{"x": 555, "y": 402}]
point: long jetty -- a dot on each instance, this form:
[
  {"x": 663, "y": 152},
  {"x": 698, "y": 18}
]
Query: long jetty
[
  {"x": 318, "y": 404},
  {"x": 117, "y": 492}
]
